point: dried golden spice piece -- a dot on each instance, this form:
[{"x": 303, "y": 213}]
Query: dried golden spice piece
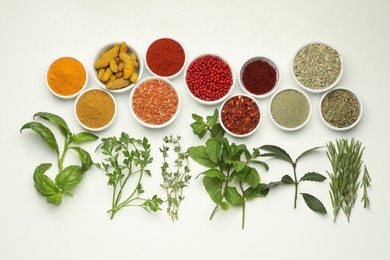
[
  {"x": 113, "y": 66},
  {"x": 101, "y": 73},
  {"x": 123, "y": 48},
  {"x": 134, "y": 77},
  {"x": 107, "y": 74},
  {"x": 129, "y": 65},
  {"x": 118, "y": 83},
  {"x": 106, "y": 57}
]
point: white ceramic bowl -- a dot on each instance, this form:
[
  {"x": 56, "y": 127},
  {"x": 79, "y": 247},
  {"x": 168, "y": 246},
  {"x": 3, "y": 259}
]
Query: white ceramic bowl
[
  {"x": 154, "y": 125},
  {"x": 270, "y": 62},
  {"x": 177, "y": 74},
  {"x": 293, "y": 128},
  {"x": 139, "y": 70},
  {"x": 323, "y": 89},
  {"x": 214, "y": 102},
  {"x": 330, "y": 126},
  {"x": 234, "y": 134},
  {"x": 100, "y": 128},
  {"x": 70, "y": 96}
]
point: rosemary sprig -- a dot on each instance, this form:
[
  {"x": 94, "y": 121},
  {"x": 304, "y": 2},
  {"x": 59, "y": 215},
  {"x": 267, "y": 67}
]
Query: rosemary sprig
[
  {"x": 176, "y": 177},
  {"x": 366, "y": 183}
]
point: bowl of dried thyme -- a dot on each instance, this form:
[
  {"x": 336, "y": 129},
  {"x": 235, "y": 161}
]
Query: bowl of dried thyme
[
  {"x": 340, "y": 109},
  {"x": 317, "y": 67}
]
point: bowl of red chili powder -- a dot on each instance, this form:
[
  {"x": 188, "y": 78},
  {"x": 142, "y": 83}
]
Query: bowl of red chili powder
[
  {"x": 240, "y": 115},
  {"x": 165, "y": 58},
  {"x": 154, "y": 102},
  {"x": 209, "y": 79},
  {"x": 259, "y": 77}
]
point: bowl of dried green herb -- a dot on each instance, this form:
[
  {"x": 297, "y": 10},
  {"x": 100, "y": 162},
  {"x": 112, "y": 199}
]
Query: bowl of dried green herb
[
  {"x": 317, "y": 67},
  {"x": 340, "y": 109}
]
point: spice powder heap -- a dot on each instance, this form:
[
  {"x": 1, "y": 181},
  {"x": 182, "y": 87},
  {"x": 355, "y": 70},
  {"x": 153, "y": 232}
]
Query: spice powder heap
[
  {"x": 240, "y": 115},
  {"x": 317, "y": 66},
  {"x": 290, "y": 108},
  {"x": 155, "y": 101},
  {"x": 95, "y": 108},
  {"x": 340, "y": 108},
  {"x": 259, "y": 77}
]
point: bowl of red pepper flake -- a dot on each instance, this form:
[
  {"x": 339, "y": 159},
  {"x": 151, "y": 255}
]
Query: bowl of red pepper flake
[
  {"x": 154, "y": 102},
  {"x": 240, "y": 115},
  {"x": 259, "y": 77},
  {"x": 209, "y": 79}
]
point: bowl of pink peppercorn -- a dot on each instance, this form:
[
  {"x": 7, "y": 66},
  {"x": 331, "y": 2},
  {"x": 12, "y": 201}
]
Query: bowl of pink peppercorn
[{"x": 209, "y": 79}]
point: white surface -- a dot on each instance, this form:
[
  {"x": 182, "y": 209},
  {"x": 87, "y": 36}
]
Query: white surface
[{"x": 36, "y": 32}]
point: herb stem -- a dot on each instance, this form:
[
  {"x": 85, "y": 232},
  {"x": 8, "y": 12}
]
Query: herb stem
[
  {"x": 223, "y": 194},
  {"x": 294, "y": 165},
  {"x": 243, "y": 206}
]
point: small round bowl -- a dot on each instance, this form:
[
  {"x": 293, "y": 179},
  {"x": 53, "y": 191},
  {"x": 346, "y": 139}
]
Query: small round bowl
[
  {"x": 149, "y": 125},
  {"x": 230, "y": 132},
  {"x": 170, "y": 77},
  {"x": 205, "y": 102},
  {"x": 285, "y": 127},
  {"x": 95, "y": 111},
  {"x": 322, "y": 90},
  {"x": 329, "y": 125},
  {"x": 270, "y": 62},
  {"x": 139, "y": 70},
  {"x": 66, "y": 96}
]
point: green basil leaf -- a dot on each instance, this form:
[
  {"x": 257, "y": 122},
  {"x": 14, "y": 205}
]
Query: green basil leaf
[
  {"x": 213, "y": 173},
  {"x": 248, "y": 175},
  {"x": 314, "y": 204},
  {"x": 55, "y": 120},
  {"x": 55, "y": 199},
  {"x": 42, "y": 182},
  {"x": 199, "y": 155},
  {"x": 84, "y": 137},
  {"x": 197, "y": 118},
  {"x": 307, "y": 152},
  {"x": 313, "y": 176},
  {"x": 199, "y": 129},
  {"x": 85, "y": 158},
  {"x": 213, "y": 187},
  {"x": 213, "y": 149},
  {"x": 233, "y": 197},
  {"x": 276, "y": 152},
  {"x": 260, "y": 191},
  {"x": 69, "y": 177},
  {"x": 286, "y": 179},
  {"x": 45, "y": 133}
]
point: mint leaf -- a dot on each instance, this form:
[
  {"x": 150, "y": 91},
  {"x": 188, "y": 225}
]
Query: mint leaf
[
  {"x": 254, "y": 192},
  {"x": 213, "y": 173},
  {"x": 213, "y": 187},
  {"x": 199, "y": 155},
  {"x": 213, "y": 149},
  {"x": 233, "y": 197},
  {"x": 199, "y": 128}
]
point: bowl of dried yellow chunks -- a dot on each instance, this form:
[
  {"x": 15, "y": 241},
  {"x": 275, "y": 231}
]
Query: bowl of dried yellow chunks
[{"x": 117, "y": 67}]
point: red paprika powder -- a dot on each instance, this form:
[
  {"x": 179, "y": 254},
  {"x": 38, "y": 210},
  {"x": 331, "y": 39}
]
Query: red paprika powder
[
  {"x": 165, "y": 57},
  {"x": 259, "y": 76}
]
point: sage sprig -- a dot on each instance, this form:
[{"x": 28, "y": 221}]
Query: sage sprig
[
  {"x": 278, "y": 153},
  {"x": 175, "y": 177},
  {"x": 127, "y": 158},
  {"x": 230, "y": 180},
  {"x": 345, "y": 177},
  {"x": 68, "y": 177}
]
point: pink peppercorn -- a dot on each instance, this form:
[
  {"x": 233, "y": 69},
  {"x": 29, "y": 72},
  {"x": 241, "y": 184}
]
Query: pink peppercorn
[{"x": 209, "y": 78}]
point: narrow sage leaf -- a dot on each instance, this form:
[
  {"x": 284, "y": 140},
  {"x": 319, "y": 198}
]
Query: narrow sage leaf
[
  {"x": 199, "y": 155},
  {"x": 313, "y": 176},
  {"x": 69, "y": 177},
  {"x": 55, "y": 199},
  {"x": 213, "y": 173},
  {"x": 213, "y": 149},
  {"x": 276, "y": 152},
  {"x": 199, "y": 128},
  {"x": 85, "y": 158},
  {"x": 233, "y": 197},
  {"x": 213, "y": 187},
  {"x": 272, "y": 184},
  {"x": 314, "y": 204},
  {"x": 42, "y": 182},
  {"x": 308, "y": 152},
  {"x": 286, "y": 179},
  {"x": 45, "y": 133},
  {"x": 261, "y": 163},
  {"x": 260, "y": 191},
  {"x": 55, "y": 120},
  {"x": 84, "y": 137}
]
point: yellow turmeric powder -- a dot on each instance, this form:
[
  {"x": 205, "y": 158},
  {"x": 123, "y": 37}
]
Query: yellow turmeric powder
[{"x": 66, "y": 76}]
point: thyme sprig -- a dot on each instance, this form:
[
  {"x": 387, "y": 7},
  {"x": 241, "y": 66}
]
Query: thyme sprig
[{"x": 175, "y": 178}]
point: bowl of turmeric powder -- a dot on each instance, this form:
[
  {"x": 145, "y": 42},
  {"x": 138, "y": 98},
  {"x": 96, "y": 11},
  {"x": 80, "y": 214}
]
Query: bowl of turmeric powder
[
  {"x": 117, "y": 67},
  {"x": 66, "y": 77}
]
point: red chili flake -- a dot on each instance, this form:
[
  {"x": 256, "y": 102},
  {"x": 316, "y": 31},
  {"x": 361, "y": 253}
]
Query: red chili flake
[
  {"x": 209, "y": 78},
  {"x": 240, "y": 115},
  {"x": 259, "y": 77},
  {"x": 155, "y": 101}
]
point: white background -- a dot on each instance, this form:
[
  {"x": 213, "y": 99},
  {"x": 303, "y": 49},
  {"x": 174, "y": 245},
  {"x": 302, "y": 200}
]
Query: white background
[{"x": 34, "y": 33}]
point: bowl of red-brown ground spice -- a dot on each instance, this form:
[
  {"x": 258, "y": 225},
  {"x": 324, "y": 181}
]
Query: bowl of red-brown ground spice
[
  {"x": 209, "y": 79},
  {"x": 154, "y": 102},
  {"x": 165, "y": 57},
  {"x": 240, "y": 115},
  {"x": 259, "y": 77}
]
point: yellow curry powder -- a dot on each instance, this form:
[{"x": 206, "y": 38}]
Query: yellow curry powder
[
  {"x": 66, "y": 76},
  {"x": 95, "y": 108}
]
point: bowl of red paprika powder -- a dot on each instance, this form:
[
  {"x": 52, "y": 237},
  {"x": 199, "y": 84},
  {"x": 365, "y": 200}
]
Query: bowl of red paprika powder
[
  {"x": 209, "y": 79},
  {"x": 166, "y": 58},
  {"x": 240, "y": 115},
  {"x": 259, "y": 77}
]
